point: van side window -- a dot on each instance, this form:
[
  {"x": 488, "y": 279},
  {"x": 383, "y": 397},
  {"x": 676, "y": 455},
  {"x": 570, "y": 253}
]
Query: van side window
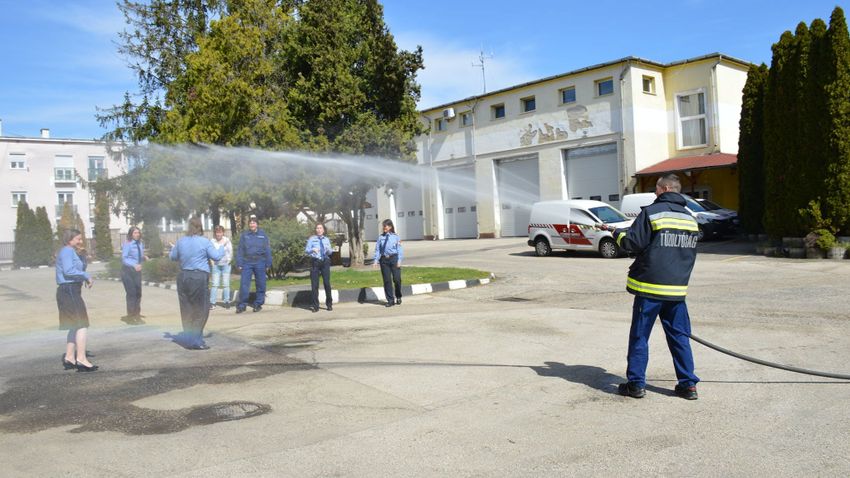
[{"x": 577, "y": 216}]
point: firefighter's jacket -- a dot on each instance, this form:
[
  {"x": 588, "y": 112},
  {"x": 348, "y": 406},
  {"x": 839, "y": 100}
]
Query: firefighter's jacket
[{"x": 664, "y": 237}]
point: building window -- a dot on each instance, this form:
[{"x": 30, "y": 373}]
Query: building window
[
  {"x": 64, "y": 174},
  {"x": 605, "y": 87},
  {"x": 17, "y": 161},
  {"x": 568, "y": 95},
  {"x": 649, "y": 85},
  {"x": 64, "y": 197},
  {"x": 466, "y": 119},
  {"x": 411, "y": 213},
  {"x": 528, "y": 104},
  {"x": 97, "y": 168},
  {"x": 440, "y": 124},
  {"x": 497, "y": 111},
  {"x": 461, "y": 209},
  {"x": 473, "y": 208},
  {"x": 690, "y": 110},
  {"x": 449, "y": 210},
  {"x": 18, "y": 197}
]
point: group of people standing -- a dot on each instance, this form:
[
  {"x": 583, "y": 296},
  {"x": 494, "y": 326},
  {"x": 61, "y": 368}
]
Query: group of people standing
[{"x": 199, "y": 258}]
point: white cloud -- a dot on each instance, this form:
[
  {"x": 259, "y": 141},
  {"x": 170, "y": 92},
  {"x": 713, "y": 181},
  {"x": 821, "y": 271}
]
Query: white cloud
[{"x": 449, "y": 75}]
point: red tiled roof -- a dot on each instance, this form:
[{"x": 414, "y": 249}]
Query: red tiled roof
[{"x": 690, "y": 163}]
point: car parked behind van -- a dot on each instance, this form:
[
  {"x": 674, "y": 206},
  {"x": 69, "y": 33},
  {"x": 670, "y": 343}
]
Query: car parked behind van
[
  {"x": 711, "y": 225},
  {"x": 572, "y": 224}
]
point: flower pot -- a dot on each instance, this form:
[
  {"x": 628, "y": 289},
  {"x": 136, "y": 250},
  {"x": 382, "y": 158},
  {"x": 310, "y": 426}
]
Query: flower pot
[{"x": 836, "y": 253}]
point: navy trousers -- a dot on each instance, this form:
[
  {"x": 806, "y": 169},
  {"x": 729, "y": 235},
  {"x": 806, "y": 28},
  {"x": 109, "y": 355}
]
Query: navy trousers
[
  {"x": 322, "y": 268},
  {"x": 193, "y": 294},
  {"x": 392, "y": 278},
  {"x": 132, "y": 280},
  {"x": 677, "y": 327},
  {"x": 258, "y": 270}
]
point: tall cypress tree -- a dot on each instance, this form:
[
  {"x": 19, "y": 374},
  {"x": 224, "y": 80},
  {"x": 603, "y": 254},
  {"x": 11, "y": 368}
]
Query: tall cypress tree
[
  {"x": 43, "y": 237},
  {"x": 751, "y": 151},
  {"x": 23, "y": 254},
  {"x": 103, "y": 239},
  {"x": 776, "y": 140},
  {"x": 836, "y": 191}
]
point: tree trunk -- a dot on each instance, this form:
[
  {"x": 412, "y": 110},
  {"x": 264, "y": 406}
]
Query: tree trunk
[{"x": 353, "y": 215}]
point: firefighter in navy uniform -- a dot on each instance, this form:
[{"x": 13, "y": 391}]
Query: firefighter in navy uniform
[
  {"x": 664, "y": 237},
  {"x": 253, "y": 256}
]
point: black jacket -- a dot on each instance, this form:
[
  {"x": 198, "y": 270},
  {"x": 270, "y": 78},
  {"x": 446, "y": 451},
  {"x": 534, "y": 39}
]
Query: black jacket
[{"x": 664, "y": 237}]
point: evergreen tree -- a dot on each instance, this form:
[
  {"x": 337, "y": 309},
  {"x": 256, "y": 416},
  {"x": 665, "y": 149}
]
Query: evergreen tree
[
  {"x": 836, "y": 190},
  {"x": 777, "y": 141},
  {"x": 43, "y": 237},
  {"x": 751, "y": 151},
  {"x": 67, "y": 220},
  {"x": 102, "y": 235},
  {"x": 152, "y": 239},
  {"x": 23, "y": 255}
]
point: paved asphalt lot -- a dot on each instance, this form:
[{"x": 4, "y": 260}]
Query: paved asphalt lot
[{"x": 515, "y": 378}]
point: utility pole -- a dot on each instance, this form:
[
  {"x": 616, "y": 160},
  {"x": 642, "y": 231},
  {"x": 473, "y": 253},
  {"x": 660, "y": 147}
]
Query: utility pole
[{"x": 481, "y": 58}]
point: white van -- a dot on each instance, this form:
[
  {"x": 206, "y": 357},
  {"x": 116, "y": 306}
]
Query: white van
[
  {"x": 573, "y": 225},
  {"x": 710, "y": 224}
]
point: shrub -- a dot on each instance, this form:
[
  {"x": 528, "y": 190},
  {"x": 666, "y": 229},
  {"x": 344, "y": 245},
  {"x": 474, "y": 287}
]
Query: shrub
[
  {"x": 160, "y": 269},
  {"x": 287, "y": 238}
]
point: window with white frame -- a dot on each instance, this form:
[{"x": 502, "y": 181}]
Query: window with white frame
[
  {"x": 64, "y": 197},
  {"x": 466, "y": 119},
  {"x": 63, "y": 168},
  {"x": 497, "y": 111},
  {"x": 568, "y": 95},
  {"x": 18, "y": 197},
  {"x": 605, "y": 87},
  {"x": 440, "y": 124},
  {"x": 17, "y": 161},
  {"x": 528, "y": 104},
  {"x": 649, "y": 85},
  {"x": 691, "y": 119}
]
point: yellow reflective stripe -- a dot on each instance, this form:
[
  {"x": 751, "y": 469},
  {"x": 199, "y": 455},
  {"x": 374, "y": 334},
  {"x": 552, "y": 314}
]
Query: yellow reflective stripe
[
  {"x": 677, "y": 224},
  {"x": 657, "y": 289},
  {"x": 620, "y": 237}
]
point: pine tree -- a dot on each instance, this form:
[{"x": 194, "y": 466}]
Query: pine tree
[
  {"x": 103, "y": 238},
  {"x": 777, "y": 142},
  {"x": 23, "y": 255},
  {"x": 751, "y": 151},
  {"x": 152, "y": 240}
]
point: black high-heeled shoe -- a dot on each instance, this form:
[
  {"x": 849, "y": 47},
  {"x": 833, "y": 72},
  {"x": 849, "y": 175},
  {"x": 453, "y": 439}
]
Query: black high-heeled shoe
[
  {"x": 68, "y": 364},
  {"x": 83, "y": 368}
]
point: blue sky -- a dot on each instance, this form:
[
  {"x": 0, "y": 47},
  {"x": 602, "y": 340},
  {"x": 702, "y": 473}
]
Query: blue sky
[{"x": 59, "y": 59}]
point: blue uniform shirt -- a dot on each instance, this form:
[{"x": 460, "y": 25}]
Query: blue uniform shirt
[
  {"x": 130, "y": 253},
  {"x": 316, "y": 242},
  {"x": 253, "y": 248},
  {"x": 388, "y": 244},
  {"x": 194, "y": 253},
  {"x": 69, "y": 267}
]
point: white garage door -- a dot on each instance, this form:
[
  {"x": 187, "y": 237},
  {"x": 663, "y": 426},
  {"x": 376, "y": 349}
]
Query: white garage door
[
  {"x": 457, "y": 189},
  {"x": 592, "y": 173},
  {"x": 519, "y": 188},
  {"x": 408, "y": 206}
]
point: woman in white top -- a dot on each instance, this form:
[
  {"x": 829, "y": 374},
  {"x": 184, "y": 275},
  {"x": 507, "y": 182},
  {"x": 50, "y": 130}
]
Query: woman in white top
[{"x": 221, "y": 268}]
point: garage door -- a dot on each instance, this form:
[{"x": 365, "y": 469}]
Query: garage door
[
  {"x": 457, "y": 189},
  {"x": 593, "y": 173},
  {"x": 519, "y": 188},
  {"x": 408, "y": 206}
]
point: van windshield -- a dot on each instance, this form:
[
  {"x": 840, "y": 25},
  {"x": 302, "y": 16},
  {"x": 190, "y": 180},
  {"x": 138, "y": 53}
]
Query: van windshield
[{"x": 608, "y": 214}]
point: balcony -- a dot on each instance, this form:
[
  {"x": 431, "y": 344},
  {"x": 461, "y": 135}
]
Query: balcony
[
  {"x": 98, "y": 173},
  {"x": 64, "y": 175}
]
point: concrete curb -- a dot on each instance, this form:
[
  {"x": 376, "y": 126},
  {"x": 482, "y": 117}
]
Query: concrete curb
[{"x": 301, "y": 297}]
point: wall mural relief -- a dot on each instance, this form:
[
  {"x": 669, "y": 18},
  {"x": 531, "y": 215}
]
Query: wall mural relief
[{"x": 578, "y": 117}]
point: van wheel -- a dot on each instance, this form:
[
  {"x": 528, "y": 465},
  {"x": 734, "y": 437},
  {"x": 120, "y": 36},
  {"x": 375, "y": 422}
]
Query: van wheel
[
  {"x": 700, "y": 234},
  {"x": 541, "y": 247},
  {"x": 609, "y": 249}
]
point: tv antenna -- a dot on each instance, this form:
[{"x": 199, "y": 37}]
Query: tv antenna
[{"x": 481, "y": 60}]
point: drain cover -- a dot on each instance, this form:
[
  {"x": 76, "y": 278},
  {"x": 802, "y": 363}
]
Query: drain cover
[
  {"x": 514, "y": 299},
  {"x": 223, "y": 412}
]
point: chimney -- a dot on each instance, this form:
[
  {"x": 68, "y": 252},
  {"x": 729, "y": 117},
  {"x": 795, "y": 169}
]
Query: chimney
[{"x": 45, "y": 133}]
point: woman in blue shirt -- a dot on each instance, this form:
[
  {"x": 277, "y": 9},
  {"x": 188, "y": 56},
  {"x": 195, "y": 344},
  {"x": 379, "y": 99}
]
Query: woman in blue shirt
[
  {"x": 132, "y": 256},
  {"x": 388, "y": 254},
  {"x": 73, "y": 317},
  {"x": 194, "y": 251},
  {"x": 319, "y": 249}
]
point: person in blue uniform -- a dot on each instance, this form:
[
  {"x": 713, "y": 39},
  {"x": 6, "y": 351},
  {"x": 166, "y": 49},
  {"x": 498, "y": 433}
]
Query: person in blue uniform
[
  {"x": 319, "y": 249},
  {"x": 194, "y": 251},
  {"x": 253, "y": 256},
  {"x": 73, "y": 316},
  {"x": 388, "y": 254},
  {"x": 132, "y": 256},
  {"x": 664, "y": 236}
]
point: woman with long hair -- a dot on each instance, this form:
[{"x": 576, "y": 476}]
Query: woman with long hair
[
  {"x": 194, "y": 251},
  {"x": 388, "y": 254},
  {"x": 221, "y": 268},
  {"x": 319, "y": 249},
  {"x": 132, "y": 256},
  {"x": 73, "y": 317}
]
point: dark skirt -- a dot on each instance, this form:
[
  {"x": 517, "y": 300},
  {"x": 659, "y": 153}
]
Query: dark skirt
[{"x": 72, "y": 309}]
